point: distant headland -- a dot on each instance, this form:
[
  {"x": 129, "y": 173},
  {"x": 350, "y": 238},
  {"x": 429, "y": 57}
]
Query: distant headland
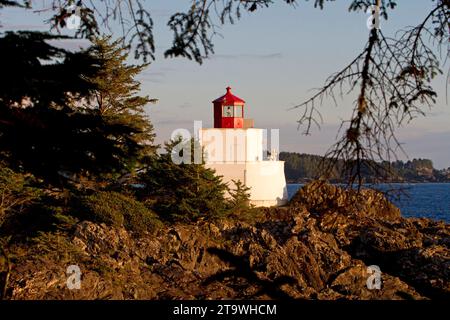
[{"x": 302, "y": 168}]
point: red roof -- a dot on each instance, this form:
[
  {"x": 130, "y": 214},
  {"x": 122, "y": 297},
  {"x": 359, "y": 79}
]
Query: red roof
[{"x": 229, "y": 98}]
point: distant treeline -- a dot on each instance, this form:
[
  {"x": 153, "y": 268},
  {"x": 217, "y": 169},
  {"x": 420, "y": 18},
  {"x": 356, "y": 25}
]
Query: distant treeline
[{"x": 304, "y": 167}]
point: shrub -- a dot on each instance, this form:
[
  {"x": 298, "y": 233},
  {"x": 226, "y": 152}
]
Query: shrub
[
  {"x": 182, "y": 192},
  {"x": 16, "y": 192},
  {"x": 140, "y": 219},
  {"x": 50, "y": 245},
  {"x": 239, "y": 207},
  {"x": 105, "y": 207},
  {"x": 116, "y": 209},
  {"x": 239, "y": 201}
]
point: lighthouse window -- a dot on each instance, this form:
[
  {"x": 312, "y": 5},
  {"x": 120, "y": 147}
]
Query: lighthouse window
[
  {"x": 227, "y": 111},
  {"x": 238, "y": 111}
]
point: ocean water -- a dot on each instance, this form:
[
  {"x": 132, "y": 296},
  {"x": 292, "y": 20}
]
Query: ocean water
[{"x": 419, "y": 200}]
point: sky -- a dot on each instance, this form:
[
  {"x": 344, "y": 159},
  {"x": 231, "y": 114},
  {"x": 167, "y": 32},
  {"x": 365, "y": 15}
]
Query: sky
[{"x": 273, "y": 58}]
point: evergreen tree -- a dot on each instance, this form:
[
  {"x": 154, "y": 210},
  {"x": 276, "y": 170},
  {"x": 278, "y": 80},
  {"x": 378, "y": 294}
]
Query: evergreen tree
[
  {"x": 239, "y": 201},
  {"x": 115, "y": 97},
  {"x": 40, "y": 129},
  {"x": 185, "y": 192},
  {"x": 50, "y": 124}
]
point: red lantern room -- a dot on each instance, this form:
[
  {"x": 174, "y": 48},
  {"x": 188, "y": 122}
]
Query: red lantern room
[{"x": 229, "y": 112}]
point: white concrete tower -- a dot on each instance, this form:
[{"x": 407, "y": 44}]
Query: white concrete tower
[{"x": 235, "y": 149}]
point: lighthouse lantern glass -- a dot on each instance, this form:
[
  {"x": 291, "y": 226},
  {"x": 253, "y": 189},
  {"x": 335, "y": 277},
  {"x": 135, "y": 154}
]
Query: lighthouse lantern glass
[
  {"x": 228, "y": 111},
  {"x": 238, "y": 111}
]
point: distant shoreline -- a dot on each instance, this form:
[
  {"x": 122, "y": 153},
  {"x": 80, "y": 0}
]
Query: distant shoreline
[{"x": 303, "y": 168}]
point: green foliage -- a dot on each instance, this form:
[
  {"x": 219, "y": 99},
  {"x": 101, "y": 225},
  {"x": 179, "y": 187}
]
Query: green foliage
[
  {"x": 49, "y": 213},
  {"x": 43, "y": 130},
  {"x": 52, "y": 106},
  {"x": 182, "y": 192},
  {"x": 62, "y": 220},
  {"x": 239, "y": 206},
  {"x": 239, "y": 201},
  {"x": 16, "y": 192},
  {"x": 115, "y": 97},
  {"x": 300, "y": 166},
  {"x": 116, "y": 209},
  {"x": 56, "y": 245},
  {"x": 5, "y": 267},
  {"x": 189, "y": 192},
  {"x": 105, "y": 207}
]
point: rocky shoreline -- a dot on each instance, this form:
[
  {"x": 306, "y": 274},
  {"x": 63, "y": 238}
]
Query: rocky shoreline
[{"x": 318, "y": 247}]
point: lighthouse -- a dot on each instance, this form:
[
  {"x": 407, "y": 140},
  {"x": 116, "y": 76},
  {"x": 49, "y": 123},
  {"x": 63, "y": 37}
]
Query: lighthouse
[{"x": 237, "y": 151}]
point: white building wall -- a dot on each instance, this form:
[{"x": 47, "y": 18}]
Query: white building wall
[
  {"x": 232, "y": 145},
  {"x": 267, "y": 182},
  {"x": 229, "y": 171},
  {"x": 237, "y": 154},
  {"x": 265, "y": 179}
]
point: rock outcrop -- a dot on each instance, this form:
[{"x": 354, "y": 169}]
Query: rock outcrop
[{"x": 319, "y": 247}]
